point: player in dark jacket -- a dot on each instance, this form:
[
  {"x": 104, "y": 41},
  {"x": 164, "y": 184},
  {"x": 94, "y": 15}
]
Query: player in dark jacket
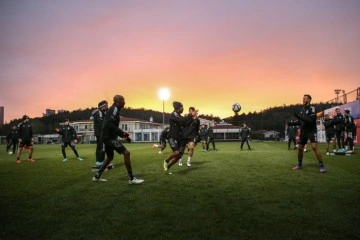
[
  {"x": 190, "y": 134},
  {"x": 350, "y": 129},
  {"x": 329, "y": 132},
  {"x": 109, "y": 136},
  {"x": 210, "y": 137},
  {"x": 339, "y": 128},
  {"x": 12, "y": 140},
  {"x": 69, "y": 138},
  {"x": 26, "y": 138},
  {"x": 308, "y": 131},
  {"x": 176, "y": 140},
  {"x": 98, "y": 116},
  {"x": 291, "y": 132},
  {"x": 245, "y": 135},
  {"x": 163, "y": 138},
  {"x": 203, "y": 134}
]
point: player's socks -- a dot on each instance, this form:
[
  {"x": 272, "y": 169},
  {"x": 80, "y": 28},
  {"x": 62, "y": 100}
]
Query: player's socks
[{"x": 131, "y": 176}]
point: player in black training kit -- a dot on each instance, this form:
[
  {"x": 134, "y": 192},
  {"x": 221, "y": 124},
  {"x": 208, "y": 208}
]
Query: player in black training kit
[
  {"x": 291, "y": 132},
  {"x": 26, "y": 138},
  {"x": 69, "y": 138},
  {"x": 109, "y": 136},
  {"x": 12, "y": 140},
  {"x": 308, "y": 131},
  {"x": 190, "y": 134},
  {"x": 245, "y": 135},
  {"x": 98, "y": 116},
  {"x": 176, "y": 140},
  {"x": 339, "y": 128},
  {"x": 329, "y": 132},
  {"x": 163, "y": 138},
  {"x": 210, "y": 137},
  {"x": 350, "y": 129}
]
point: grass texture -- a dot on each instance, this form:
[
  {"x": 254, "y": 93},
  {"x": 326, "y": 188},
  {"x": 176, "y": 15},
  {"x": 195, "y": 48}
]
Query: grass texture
[{"x": 225, "y": 194}]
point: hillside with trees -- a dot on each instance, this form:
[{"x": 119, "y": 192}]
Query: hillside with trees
[{"x": 273, "y": 118}]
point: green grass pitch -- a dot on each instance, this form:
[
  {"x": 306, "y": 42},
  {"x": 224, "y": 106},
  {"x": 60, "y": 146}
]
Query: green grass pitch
[{"x": 227, "y": 194}]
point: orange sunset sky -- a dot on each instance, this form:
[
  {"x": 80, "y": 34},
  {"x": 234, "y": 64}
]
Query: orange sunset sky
[{"x": 70, "y": 54}]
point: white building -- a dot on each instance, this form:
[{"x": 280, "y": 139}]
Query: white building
[{"x": 139, "y": 130}]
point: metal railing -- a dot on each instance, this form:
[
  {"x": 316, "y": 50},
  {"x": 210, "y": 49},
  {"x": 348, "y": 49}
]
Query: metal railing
[{"x": 345, "y": 97}]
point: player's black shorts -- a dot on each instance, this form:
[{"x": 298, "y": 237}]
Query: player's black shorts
[
  {"x": 111, "y": 145},
  {"x": 175, "y": 144},
  {"x": 26, "y": 142},
  {"x": 329, "y": 136},
  {"x": 304, "y": 137}
]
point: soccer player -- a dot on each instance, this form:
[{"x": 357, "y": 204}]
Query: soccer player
[
  {"x": 177, "y": 122},
  {"x": 26, "y": 138},
  {"x": 339, "y": 128},
  {"x": 245, "y": 135},
  {"x": 12, "y": 140},
  {"x": 190, "y": 134},
  {"x": 350, "y": 128},
  {"x": 69, "y": 137},
  {"x": 329, "y": 132},
  {"x": 210, "y": 137},
  {"x": 98, "y": 117},
  {"x": 163, "y": 138},
  {"x": 109, "y": 136},
  {"x": 291, "y": 132},
  {"x": 203, "y": 136},
  {"x": 308, "y": 131}
]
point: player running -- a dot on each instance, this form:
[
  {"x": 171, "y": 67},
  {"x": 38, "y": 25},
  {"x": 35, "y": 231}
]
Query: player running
[
  {"x": 177, "y": 122},
  {"x": 190, "y": 134}
]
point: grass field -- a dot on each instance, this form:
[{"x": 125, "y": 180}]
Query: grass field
[{"x": 228, "y": 194}]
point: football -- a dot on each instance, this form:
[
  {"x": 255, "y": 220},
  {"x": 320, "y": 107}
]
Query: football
[{"x": 236, "y": 107}]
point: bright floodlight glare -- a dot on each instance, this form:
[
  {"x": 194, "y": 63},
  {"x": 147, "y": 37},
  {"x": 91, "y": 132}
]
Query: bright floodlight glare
[{"x": 164, "y": 94}]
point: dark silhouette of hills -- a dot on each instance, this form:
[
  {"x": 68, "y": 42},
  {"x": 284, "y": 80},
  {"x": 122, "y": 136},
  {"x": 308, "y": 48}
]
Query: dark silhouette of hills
[{"x": 273, "y": 118}]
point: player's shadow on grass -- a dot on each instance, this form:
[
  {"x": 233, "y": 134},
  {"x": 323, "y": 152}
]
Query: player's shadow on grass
[
  {"x": 194, "y": 166},
  {"x": 196, "y": 163}
]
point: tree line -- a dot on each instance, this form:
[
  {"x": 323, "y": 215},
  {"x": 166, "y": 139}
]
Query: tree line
[{"x": 273, "y": 118}]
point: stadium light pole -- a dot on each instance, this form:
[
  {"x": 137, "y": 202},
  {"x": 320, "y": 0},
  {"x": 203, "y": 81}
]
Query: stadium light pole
[
  {"x": 164, "y": 95},
  {"x": 337, "y": 91}
]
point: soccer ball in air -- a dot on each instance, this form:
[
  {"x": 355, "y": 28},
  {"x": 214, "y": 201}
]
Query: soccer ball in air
[{"x": 236, "y": 107}]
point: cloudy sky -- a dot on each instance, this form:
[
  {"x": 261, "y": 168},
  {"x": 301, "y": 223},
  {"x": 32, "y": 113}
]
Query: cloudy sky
[{"x": 70, "y": 54}]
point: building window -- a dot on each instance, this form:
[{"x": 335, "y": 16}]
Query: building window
[
  {"x": 232, "y": 135},
  {"x": 146, "y": 137},
  {"x": 155, "y": 136},
  {"x": 219, "y": 135},
  {"x": 138, "y": 137}
]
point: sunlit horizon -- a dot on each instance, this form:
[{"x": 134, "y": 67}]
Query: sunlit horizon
[{"x": 69, "y": 55}]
